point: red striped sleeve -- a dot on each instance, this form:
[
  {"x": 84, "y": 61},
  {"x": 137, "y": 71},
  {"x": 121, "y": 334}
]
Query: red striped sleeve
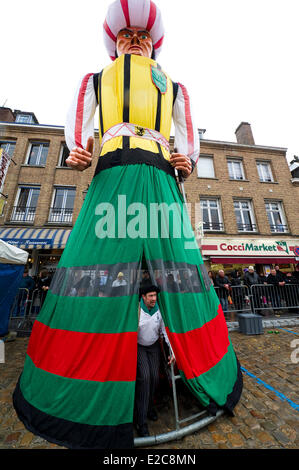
[
  {"x": 199, "y": 350},
  {"x": 100, "y": 357},
  {"x": 80, "y": 110},
  {"x": 189, "y": 126}
]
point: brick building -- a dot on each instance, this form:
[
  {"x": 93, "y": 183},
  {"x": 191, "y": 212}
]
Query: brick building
[
  {"x": 248, "y": 204},
  {"x": 243, "y": 193}
]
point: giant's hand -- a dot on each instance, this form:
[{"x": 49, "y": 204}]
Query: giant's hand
[
  {"x": 181, "y": 162},
  {"x": 80, "y": 159}
]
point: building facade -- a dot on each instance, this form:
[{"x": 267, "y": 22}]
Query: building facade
[
  {"x": 42, "y": 196},
  {"x": 245, "y": 201},
  {"x": 243, "y": 198}
]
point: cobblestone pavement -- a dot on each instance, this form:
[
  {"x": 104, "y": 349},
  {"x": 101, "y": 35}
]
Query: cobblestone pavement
[{"x": 266, "y": 416}]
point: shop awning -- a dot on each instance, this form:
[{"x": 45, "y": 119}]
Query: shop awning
[
  {"x": 256, "y": 260},
  {"x": 40, "y": 238}
]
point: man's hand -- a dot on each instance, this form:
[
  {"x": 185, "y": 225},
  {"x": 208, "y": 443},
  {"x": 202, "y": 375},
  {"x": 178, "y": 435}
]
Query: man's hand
[
  {"x": 181, "y": 162},
  {"x": 171, "y": 359},
  {"x": 80, "y": 159}
]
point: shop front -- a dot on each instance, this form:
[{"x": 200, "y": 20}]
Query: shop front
[
  {"x": 234, "y": 253},
  {"x": 44, "y": 245}
]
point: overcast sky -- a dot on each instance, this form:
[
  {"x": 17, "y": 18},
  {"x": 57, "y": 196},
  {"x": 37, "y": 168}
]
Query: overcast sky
[{"x": 237, "y": 58}]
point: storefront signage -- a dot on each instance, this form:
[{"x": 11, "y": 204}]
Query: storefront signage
[
  {"x": 28, "y": 241},
  {"x": 246, "y": 247}
]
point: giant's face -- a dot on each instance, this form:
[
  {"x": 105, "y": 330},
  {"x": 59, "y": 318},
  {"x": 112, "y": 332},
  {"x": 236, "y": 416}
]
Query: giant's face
[{"x": 134, "y": 40}]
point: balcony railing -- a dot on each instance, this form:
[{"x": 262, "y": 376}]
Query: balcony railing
[
  {"x": 246, "y": 227},
  {"x": 279, "y": 228},
  {"x": 60, "y": 215},
  {"x": 216, "y": 226},
  {"x": 23, "y": 214}
]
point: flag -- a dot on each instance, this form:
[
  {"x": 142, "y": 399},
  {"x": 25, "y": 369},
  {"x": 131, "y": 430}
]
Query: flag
[{"x": 4, "y": 164}]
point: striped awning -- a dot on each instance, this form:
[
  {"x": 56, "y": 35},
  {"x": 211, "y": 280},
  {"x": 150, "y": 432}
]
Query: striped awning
[{"x": 40, "y": 238}]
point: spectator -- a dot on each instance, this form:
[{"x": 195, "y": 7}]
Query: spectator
[
  {"x": 186, "y": 282},
  {"x": 172, "y": 286},
  {"x": 212, "y": 277},
  {"x": 43, "y": 284},
  {"x": 292, "y": 292},
  {"x": 237, "y": 290},
  {"x": 251, "y": 278},
  {"x": 296, "y": 272},
  {"x": 280, "y": 274},
  {"x": 274, "y": 279},
  {"x": 223, "y": 283},
  {"x": 119, "y": 281}
]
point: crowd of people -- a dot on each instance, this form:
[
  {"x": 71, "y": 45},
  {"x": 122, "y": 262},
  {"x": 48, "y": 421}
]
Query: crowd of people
[
  {"x": 276, "y": 296},
  {"x": 32, "y": 292}
]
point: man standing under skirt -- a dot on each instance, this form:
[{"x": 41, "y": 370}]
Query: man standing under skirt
[
  {"x": 78, "y": 384},
  {"x": 151, "y": 328}
]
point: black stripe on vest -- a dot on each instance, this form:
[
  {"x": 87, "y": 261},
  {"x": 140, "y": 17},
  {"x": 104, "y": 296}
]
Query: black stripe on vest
[
  {"x": 100, "y": 103},
  {"x": 126, "y": 108}
]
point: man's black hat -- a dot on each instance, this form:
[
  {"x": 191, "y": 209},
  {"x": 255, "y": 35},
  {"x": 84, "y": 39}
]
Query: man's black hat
[{"x": 147, "y": 287}]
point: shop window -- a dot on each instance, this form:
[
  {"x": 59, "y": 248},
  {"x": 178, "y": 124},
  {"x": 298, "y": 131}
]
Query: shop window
[
  {"x": 245, "y": 216},
  {"x": 276, "y": 217},
  {"x": 62, "y": 207},
  {"x": 235, "y": 169},
  {"x": 205, "y": 167},
  {"x": 211, "y": 214},
  {"x": 265, "y": 172},
  {"x": 64, "y": 154},
  {"x": 37, "y": 154},
  {"x": 25, "y": 207}
]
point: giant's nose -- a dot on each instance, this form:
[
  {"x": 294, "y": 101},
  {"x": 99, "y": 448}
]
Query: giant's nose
[{"x": 135, "y": 39}]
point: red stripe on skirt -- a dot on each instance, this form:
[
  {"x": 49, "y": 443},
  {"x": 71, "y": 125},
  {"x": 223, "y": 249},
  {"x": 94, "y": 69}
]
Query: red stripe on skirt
[
  {"x": 80, "y": 111},
  {"x": 125, "y": 7},
  {"x": 100, "y": 357},
  {"x": 152, "y": 17},
  {"x": 190, "y": 136},
  {"x": 198, "y": 350}
]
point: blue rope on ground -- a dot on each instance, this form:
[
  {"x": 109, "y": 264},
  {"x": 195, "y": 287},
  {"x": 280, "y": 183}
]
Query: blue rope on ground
[
  {"x": 281, "y": 396},
  {"x": 289, "y": 331}
]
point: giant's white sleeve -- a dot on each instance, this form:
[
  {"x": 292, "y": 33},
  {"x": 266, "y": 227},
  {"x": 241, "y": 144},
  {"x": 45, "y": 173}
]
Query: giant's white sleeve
[
  {"x": 80, "y": 116},
  {"x": 186, "y": 139}
]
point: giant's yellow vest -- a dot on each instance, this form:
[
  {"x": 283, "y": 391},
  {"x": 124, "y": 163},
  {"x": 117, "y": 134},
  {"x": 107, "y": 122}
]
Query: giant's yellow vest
[{"x": 127, "y": 93}]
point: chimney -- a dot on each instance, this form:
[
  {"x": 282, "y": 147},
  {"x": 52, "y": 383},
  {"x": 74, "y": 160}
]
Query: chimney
[{"x": 244, "y": 134}]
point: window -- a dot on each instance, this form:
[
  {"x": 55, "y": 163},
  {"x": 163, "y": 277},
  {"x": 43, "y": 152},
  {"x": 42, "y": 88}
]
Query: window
[
  {"x": 205, "y": 167},
  {"x": 276, "y": 217},
  {"x": 24, "y": 119},
  {"x": 62, "y": 206},
  {"x": 264, "y": 171},
  {"x": 8, "y": 147},
  {"x": 244, "y": 215},
  {"x": 64, "y": 153},
  {"x": 235, "y": 169},
  {"x": 26, "y": 202},
  {"x": 38, "y": 153},
  {"x": 211, "y": 214}
]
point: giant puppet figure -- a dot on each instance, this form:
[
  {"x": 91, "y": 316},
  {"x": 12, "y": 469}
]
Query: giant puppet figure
[{"x": 78, "y": 383}]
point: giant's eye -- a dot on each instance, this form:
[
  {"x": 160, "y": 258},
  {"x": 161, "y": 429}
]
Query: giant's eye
[
  {"x": 126, "y": 35},
  {"x": 143, "y": 36}
]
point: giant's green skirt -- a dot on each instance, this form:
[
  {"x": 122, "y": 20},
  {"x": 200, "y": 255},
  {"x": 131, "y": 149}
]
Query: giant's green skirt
[{"x": 78, "y": 383}]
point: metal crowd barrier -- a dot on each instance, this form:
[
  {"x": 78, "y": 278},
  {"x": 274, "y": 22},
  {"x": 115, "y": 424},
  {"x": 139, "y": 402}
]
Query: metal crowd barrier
[
  {"x": 259, "y": 298},
  {"x": 24, "y": 310}
]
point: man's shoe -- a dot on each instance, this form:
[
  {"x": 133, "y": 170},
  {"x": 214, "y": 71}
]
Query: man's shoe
[
  {"x": 152, "y": 415},
  {"x": 142, "y": 430}
]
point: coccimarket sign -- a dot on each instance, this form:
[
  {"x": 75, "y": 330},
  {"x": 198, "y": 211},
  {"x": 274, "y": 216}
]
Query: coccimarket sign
[{"x": 249, "y": 247}]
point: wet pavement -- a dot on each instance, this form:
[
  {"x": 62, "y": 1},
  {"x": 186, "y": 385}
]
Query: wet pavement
[{"x": 265, "y": 418}]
